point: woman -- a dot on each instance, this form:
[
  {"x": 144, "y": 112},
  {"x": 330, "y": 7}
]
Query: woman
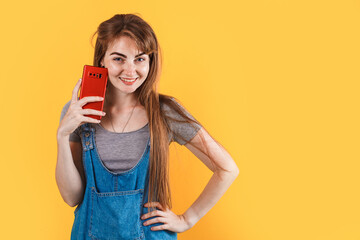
[{"x": 116, "y": 169}]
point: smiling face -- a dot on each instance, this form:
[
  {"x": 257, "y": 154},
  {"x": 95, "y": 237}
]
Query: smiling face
[{"x": 127, "y": 66}]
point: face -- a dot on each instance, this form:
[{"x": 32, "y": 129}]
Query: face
[{"x": 127, "y": 66}]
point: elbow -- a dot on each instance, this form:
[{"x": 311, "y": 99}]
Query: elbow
[
  {"x": 71, "y": 204},
  {"x": 230, "y": 174},
  {"x": 66, "y": 198},
  {"x": 76, "y": 200},
  {"x": 234, "y": 172}
]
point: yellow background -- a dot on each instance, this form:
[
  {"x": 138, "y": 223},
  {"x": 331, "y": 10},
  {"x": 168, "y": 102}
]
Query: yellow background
[{"x": 276, "y": 82}]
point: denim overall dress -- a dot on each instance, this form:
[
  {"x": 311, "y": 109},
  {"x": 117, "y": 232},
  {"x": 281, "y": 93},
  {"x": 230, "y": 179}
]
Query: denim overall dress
[{"x": 113, "y": 202}]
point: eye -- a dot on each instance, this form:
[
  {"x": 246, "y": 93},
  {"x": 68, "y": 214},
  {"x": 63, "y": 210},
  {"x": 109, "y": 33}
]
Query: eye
[
  {"x": 117, "y": 59},
  {"x": 143, "y": 59}
]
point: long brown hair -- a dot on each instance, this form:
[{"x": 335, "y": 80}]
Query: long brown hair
[{"x": 136, "y": 28}]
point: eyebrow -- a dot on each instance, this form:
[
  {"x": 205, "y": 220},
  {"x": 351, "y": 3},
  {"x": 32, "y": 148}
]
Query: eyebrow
[{"x": 125, "y": 55}]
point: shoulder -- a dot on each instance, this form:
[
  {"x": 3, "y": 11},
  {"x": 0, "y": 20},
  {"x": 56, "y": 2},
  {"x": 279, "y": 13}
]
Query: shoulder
[
  {"x": 181, "y": 122},
  {"x": 171, "y": 106},
  {"x": 166, "y": 101},
  {"x": 173, "y": 109}
]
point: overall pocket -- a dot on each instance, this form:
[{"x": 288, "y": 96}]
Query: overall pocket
[{"x": 116, "y": 215}]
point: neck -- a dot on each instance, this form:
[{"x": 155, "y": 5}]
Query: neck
[{"x": 118, "y": 101}]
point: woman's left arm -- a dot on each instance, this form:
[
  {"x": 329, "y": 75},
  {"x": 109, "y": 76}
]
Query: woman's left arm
[{"x": 213, "y": 191}]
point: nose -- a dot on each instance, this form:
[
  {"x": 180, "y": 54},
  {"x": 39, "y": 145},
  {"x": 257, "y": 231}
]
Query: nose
[{"x": 130, "y": 69}]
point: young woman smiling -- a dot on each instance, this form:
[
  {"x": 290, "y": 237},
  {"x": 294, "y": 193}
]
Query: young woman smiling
[{"x": 116, "y": 170}]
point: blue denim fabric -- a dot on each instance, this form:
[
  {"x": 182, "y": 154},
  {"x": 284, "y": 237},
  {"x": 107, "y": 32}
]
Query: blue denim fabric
[{"x": 113, "y": 202}]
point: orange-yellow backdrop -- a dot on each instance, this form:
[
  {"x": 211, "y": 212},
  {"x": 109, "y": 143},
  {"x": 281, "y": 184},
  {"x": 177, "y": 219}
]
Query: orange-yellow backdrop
[{"x": 276, "y": 82}]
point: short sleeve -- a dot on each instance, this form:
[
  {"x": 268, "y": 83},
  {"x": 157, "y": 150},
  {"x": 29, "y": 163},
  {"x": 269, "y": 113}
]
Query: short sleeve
[
  {"x": 74, "y": 136},
  {"x": 184, "y": 129}
]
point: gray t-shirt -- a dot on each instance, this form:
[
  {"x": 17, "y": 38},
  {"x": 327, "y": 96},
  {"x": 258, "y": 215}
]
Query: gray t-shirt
[{"x": 121, "y": 151}]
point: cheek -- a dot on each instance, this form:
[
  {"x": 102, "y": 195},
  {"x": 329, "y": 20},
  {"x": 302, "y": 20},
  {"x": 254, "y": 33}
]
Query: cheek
[
  {"x": 112, "y": 68},
  {"x": 145, "y": 70}
]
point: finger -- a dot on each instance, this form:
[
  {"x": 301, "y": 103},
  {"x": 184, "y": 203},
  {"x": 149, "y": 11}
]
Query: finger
[
  {"x": 153, "y": 213},
  {"x": 89, "y": 119},
  {"x": 85, "y": 100},
  {"x": 154, "y": 204},
  {"x": 155, "y": 220},
  {"x": 74, "y": 97},
  {"x": 160, "y": 227},
  {"x": 88, "y": 111}
]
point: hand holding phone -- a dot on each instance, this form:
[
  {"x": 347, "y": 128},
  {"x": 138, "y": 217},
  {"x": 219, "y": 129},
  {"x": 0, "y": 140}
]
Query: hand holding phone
[
  {"x": 76, "y": 115},
  {"x": 93, "y": 83}
]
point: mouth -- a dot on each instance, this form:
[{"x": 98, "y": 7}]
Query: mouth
[{"x": 128, "y": 81}]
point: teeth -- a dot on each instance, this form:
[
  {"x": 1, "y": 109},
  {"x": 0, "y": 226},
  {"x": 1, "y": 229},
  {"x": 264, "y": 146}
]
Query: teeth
[{"x": 128, "y": 80}]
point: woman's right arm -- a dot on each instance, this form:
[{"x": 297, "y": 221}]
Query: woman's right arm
[{"x": 69, "y": 171}]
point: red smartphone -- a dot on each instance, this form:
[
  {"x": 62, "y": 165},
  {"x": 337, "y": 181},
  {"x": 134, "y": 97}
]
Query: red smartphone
[{"x": 93, "y": 83}]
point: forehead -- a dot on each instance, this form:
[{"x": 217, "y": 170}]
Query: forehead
[{"x": 125, "y": 45}]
